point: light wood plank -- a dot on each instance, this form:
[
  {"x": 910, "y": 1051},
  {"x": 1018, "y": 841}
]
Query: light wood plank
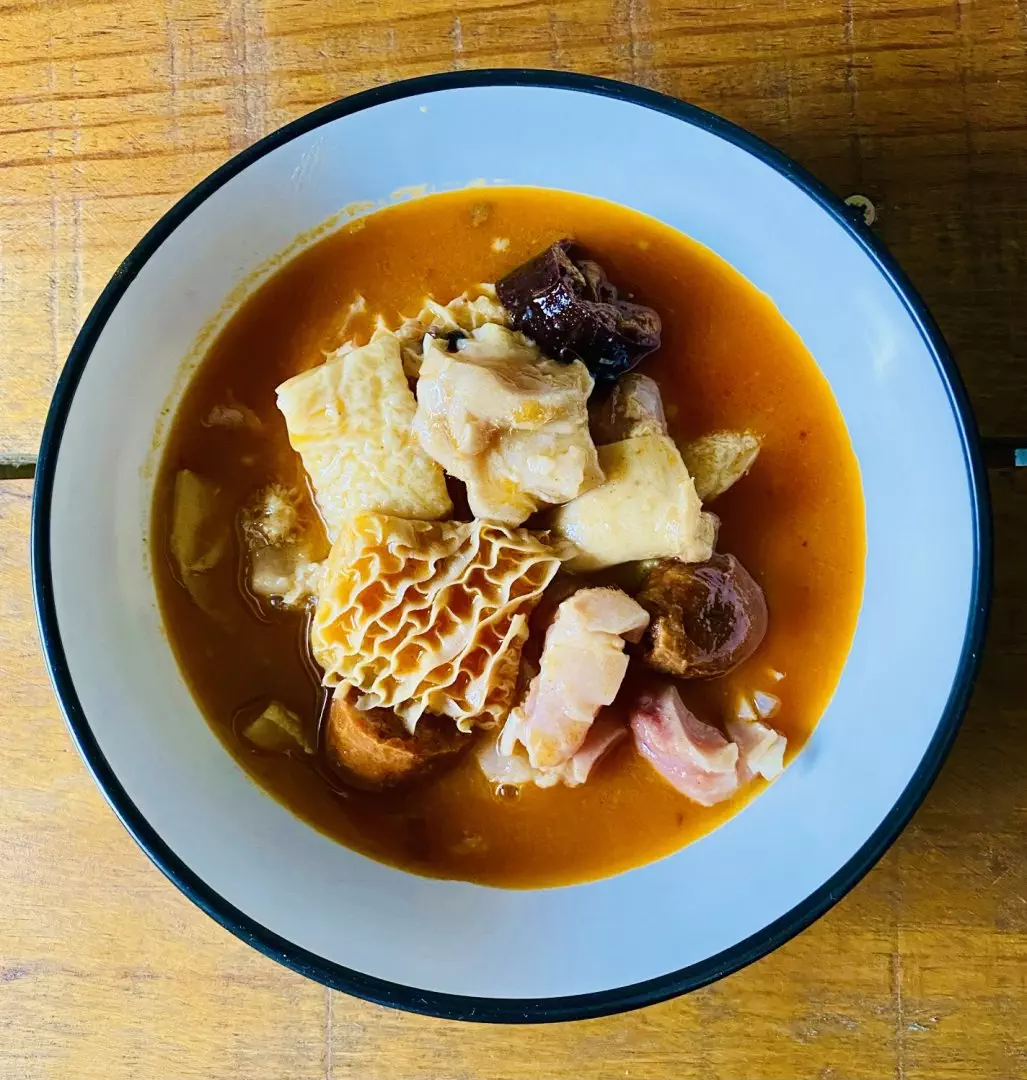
[
  {"x": 923, "y": 966},
  {"x": 108, "y": 113},
  {"x": 106, "y": 970}
]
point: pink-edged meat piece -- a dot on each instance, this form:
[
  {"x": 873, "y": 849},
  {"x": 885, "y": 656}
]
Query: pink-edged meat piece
[
  {"x": 513, "y": 767},
  {"x": 582, "y": 668},
  {"x": 602, "y": 737},
  {"x": 761, "y": 749},
  {"x": 692, "y": 756}
]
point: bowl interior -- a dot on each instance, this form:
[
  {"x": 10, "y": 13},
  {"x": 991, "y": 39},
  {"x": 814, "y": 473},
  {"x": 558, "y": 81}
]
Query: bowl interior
[{"x": 450, "y": 937}]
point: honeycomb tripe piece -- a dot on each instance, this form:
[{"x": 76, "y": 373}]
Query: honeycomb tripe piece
[
  {"x": 430, "y": 616},
  {"x": 350, "y": 419}
]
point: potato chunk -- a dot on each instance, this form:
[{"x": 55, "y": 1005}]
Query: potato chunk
[
  {"x": 632, "y": 408},
  {"x": 199, "y": 538},
  {"x": 278, "y": 730},
  {"x": 719, "y": 460},
  {"x": 646, "y": 509}
]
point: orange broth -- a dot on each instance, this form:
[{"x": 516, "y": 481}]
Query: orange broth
[{"x": 728, "y": 360}]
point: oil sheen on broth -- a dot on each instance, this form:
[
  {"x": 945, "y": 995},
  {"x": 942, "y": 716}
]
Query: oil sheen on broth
[{"x": 727, "y": 361}]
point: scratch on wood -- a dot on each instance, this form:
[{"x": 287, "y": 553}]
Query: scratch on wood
[
  {"x": 328, "y": 1034},
  {"x": 29, "y": 5},
  {"x": 7, "y": 63},
  {"x": 850, "y": 38},
  {"x": 635, "y": 22},
  {"x": 640, "y": 17},
  {"x": 246, "y": 102},
  {"x": 965, "y": 62},
  {"x": 257, "y": 64},
  {"x": 900, "y": 1012},
  {"x": 3, "y": 280},
  {"x": 117, "y": 154},
  {"x": 867, "y": 49},
  {"x": 77, "y": 255},
  {"x": 49, "y": 155},
  {"x": 632, "y": 19},
  {"x": 917, "y": 1026},
  {"x": 51, "y": 66},
  {"x": 78, "y": 265},
  {"x": 53, "y": 292},
  {"x": 174, "y": 69},
  {"x": 94, "y": 125},
  {"x": 852, "y": 85},
  {"x": 456, "y": 41},
  {"x": 556, "y": 57}
]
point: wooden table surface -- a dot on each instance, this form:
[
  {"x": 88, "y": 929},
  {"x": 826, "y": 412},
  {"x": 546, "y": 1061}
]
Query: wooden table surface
[{"x": 109, "y": 111}]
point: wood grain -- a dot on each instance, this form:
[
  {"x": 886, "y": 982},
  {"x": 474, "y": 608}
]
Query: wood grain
[
  {"x": 106, "y": 971},
  {"x": 108, "y": 113}
]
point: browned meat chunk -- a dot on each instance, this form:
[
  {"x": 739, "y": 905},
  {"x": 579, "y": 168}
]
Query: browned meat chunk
[
  {"x": 632, "y": 408},
  {"x": 564, "y": 302},
  {"x": 374, "y": 748},
  {"x": 707, "y": 618}
]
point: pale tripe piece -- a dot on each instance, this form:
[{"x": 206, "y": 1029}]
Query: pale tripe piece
[
  {"x": 583, "y": 664},
  {"x": 350, "y": 421},
  {"x": 430, "y": 617},
  {"x": 647, "y": 508},
  {"x": 469, "y": 311},
  {"x": 719, "y": 460},
  {"x": 510, "y": 423}
]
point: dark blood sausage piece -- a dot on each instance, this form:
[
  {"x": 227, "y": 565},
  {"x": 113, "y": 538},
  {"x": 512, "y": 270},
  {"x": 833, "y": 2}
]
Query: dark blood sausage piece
[
  {"x": 373, "y": 747},
  {"x": 564, "y": 302},
  {"x": 706, "y": 618}
]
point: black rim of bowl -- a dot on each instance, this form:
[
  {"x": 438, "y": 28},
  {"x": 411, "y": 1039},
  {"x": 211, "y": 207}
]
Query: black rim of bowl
[{"x": 511, "y": 1010}]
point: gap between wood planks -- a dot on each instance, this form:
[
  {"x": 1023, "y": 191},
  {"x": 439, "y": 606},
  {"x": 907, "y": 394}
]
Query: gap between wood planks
[
  {"x": 17, "y": 466},
  {"x": 999, "y": 453}
]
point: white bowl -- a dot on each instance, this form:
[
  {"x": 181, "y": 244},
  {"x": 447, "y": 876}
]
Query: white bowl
[{"x": 451, "y": 948}]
